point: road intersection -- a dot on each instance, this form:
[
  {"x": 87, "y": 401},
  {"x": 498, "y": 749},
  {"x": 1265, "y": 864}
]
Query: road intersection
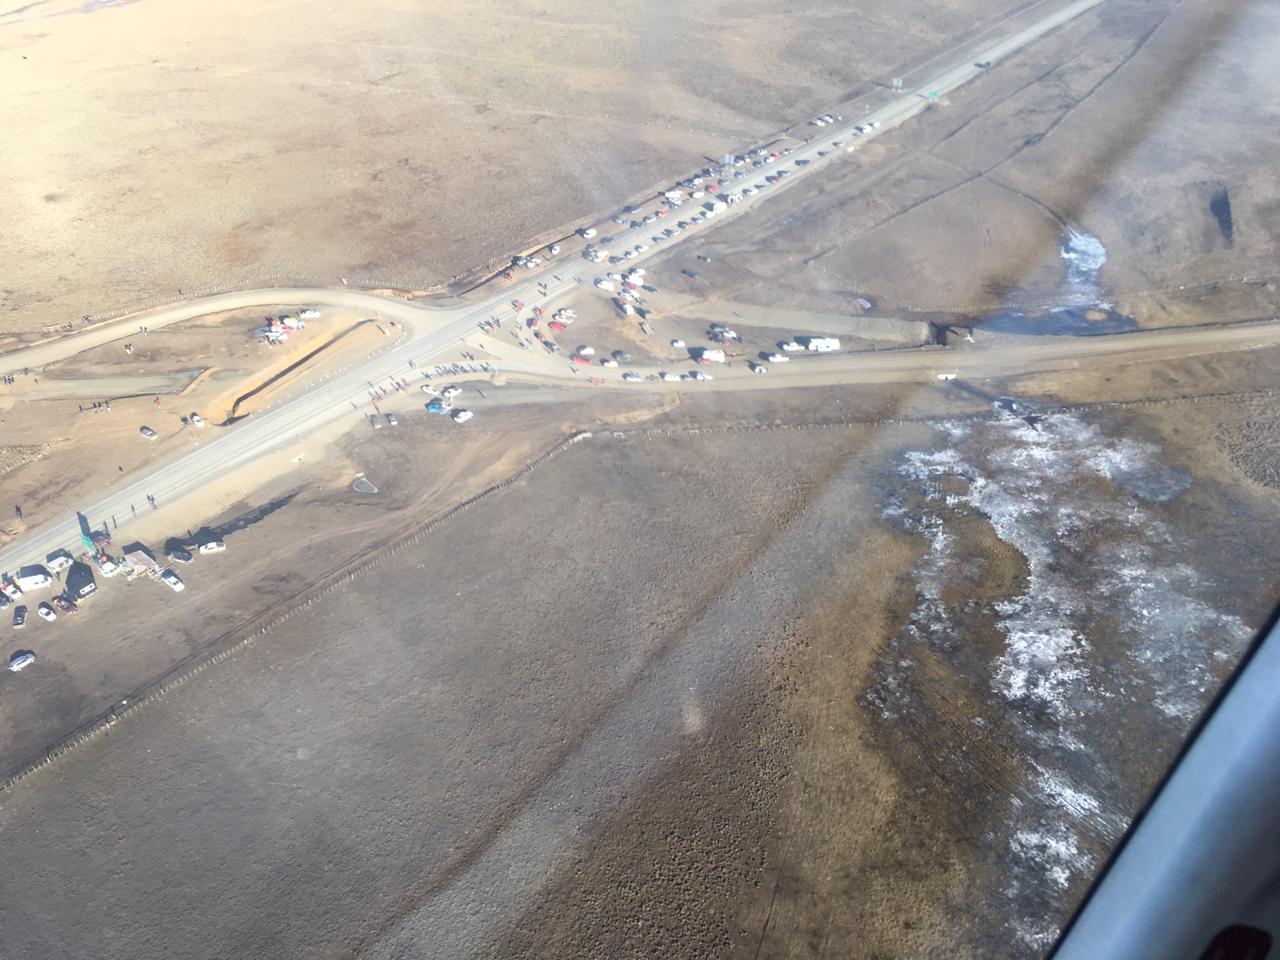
[{"x": 428, "y": 331}]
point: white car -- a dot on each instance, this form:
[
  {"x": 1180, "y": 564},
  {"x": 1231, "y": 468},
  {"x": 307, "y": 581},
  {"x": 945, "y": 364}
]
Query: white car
[
  {"x": 608, "y": 362},
  {"x": 586, "y": 351},
  {"x": 699, "y": 375},
  {"x": 617, "y": 277},
  {"x": 430, "y": 388},
  {"x": 778, "y": 358},
  {"x": 631, "y": 377},
  {"x": 791, "y": 347},
  {"x": 670, "y": 377},
  {"x": 677, "y": 343},
  {"x": 197, "y": 420},
  {"x": 20, "y": 661},
  {"x": 757, "y": 367},
  {"x": 147, "y": 432},
  {"x": 213, "y": 546},
  {"x": 392, "y": 419},
  {"x": 46, "y": 612},
  {"x": 553, "y": 249},
  {"x": 173, "y": 580},
  {"x": 641, "y": 247},
  {"x": 451, "y": 391},
  {"x": 461, "y": 416}
]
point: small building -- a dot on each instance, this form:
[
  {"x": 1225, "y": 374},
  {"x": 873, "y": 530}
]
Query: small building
[
  {"x": 33, "y": 577},
  {"x": 80, "y": 582}
]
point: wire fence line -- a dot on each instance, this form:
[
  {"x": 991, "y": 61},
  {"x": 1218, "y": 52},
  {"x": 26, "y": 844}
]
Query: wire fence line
[
  {"x": 237, "y": 639},
  {"x": 1050, "y": 303}
]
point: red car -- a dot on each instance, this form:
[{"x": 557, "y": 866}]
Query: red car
[
  {"x": 557, "y": 325},
  {"x": 537, "y": 311},
  {"x": 518, "y": 304},
  {"x": 585, "y": 361},
  {"x": 65, "y": 605}
]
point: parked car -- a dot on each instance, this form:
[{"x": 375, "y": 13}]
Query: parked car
[
  {"x": 670, "y": 377},
  {"x": 19, "y": 616},
  {"x": 375, "y": 421},
  {"x": 757, "y": 367},
  {"x": 429, "y": 388},
  {"x": 392, "y": 419},
  {"x": 46, "y": 612},
  {"x": 21, "y": 660},
  {"x": 462, "y": 416},
  {"x": 621, "y": 356},
  {"x": 213, "y": 546},
  {"x": 197, "y": 420},
  {"x": 778, "y": 358},
  {"x": 699, "y": 375},
  {"x": 147, "y": 432},
  {"x": 677, "y": 343},
  {"x": 631, "y": 377},
  {"x": 66, "y": 605},
  {"x": 178, "y": 555},
  {"x": 173, "y": 580},
  {"x": 451, "y": 391}
]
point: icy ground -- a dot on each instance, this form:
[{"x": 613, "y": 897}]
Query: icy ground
[{"x": 1110, "y": 630}]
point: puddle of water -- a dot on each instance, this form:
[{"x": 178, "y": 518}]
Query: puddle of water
[
  {"x": 1082, "y": 311},
  {"x": 1220, "y": 207},
  {"x": 1060, "y": 322}
]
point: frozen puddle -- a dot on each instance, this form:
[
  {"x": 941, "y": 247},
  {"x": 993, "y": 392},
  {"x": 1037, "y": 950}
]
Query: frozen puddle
[
  {"x": 1109, "y": 630},
  {"x": 1084, "y": 256}
]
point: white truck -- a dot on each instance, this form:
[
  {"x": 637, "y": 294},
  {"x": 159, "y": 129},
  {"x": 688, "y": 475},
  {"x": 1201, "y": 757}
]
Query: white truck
[
  {"x": 33, "y": 577},
  {"x": 823, "y": 344},
  {"x": 708, "y": 355}
]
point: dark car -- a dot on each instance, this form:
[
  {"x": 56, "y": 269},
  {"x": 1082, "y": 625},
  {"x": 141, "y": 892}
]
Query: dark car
[
  {"x": 19, "y": 615},
  {"x": 178, "y": 555}
]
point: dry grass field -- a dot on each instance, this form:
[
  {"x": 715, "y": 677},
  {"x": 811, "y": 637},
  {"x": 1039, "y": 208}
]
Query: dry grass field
[
  {"x": 649, "y": 701},
  {"x": 869, "y": 671},
  {"x": 167, "y": 147},
  {"x": 1142, "y": 127}
]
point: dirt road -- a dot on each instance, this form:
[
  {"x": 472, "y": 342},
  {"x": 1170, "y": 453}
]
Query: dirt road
[{"x": 429, "y": 331}]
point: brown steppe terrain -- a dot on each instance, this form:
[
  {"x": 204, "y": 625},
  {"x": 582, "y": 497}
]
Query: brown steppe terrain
[
  {"x": 168, "y": 148},
  {"x": 706, "y": 696},
  {"x": 718, "y": 687}
]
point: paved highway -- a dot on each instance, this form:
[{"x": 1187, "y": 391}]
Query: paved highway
[{"x": 429, "y": 331}]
